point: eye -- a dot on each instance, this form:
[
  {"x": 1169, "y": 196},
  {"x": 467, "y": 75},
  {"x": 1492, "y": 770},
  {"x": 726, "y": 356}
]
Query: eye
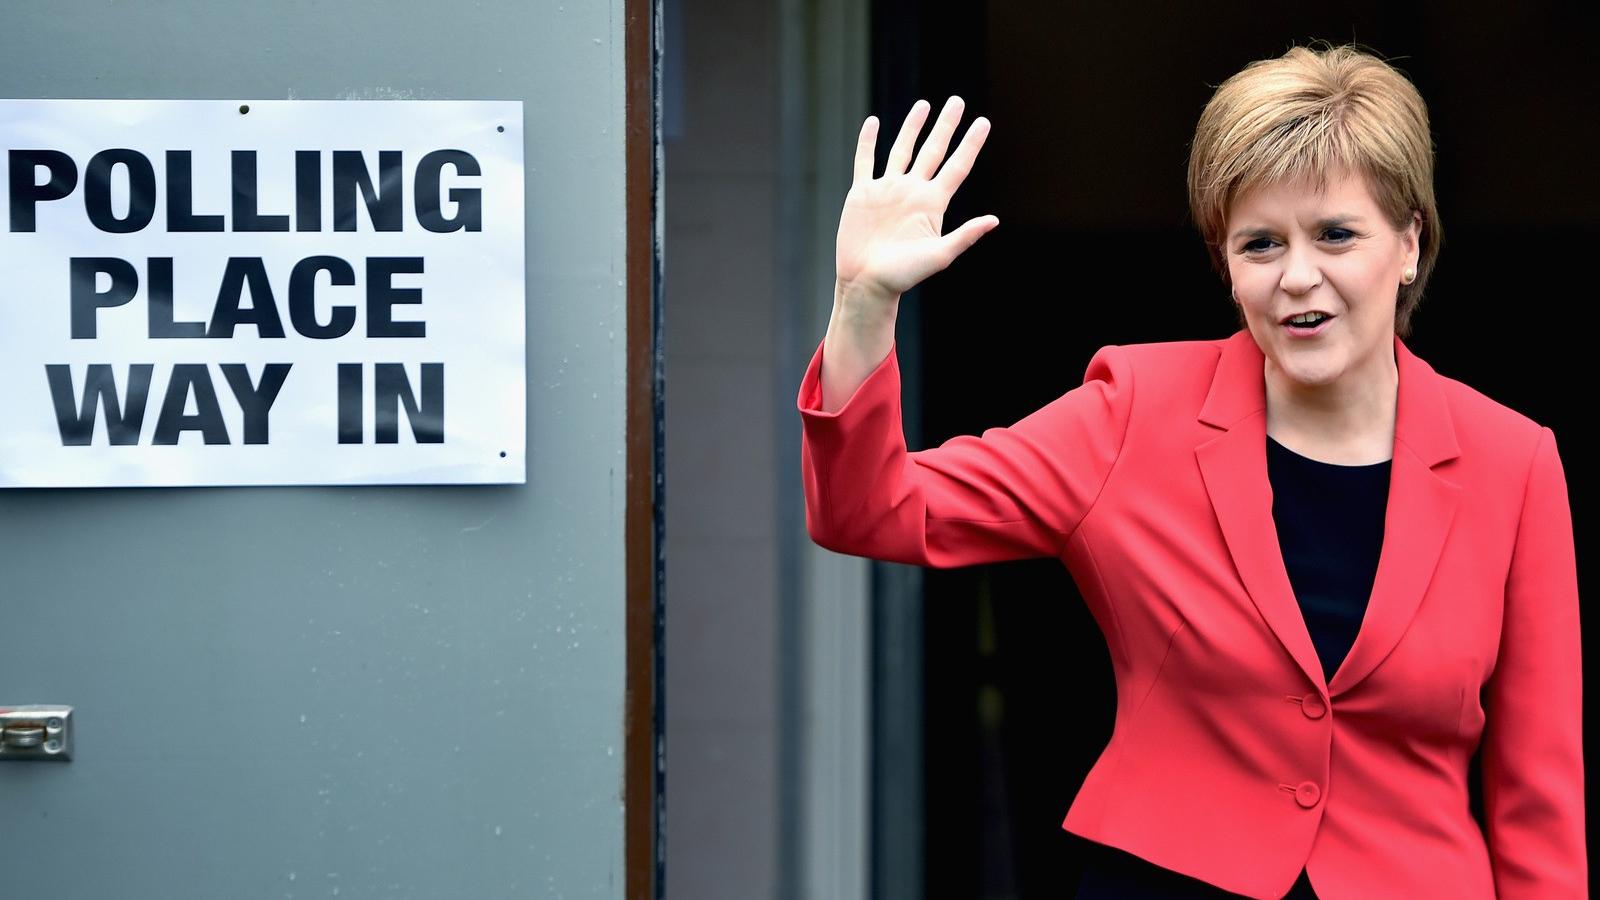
[
  {"x": 1258, "y": 245},
  {"x": 1338, "y": 235}
]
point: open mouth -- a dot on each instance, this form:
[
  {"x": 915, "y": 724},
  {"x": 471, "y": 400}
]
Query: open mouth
[{"x": 1307, "y": 321}]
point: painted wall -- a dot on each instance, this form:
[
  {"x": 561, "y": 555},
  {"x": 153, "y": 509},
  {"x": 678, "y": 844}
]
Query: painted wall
[{"x": 354, "y": 692}]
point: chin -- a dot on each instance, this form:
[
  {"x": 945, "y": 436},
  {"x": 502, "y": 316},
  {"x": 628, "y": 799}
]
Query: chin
[
  {"x": 1312, "y": 377},
  {"x": 1312, "y": 369}
]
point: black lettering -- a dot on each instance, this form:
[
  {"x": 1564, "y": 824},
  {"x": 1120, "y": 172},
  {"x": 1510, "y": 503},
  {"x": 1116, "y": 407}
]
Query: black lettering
[
  {"x": 141, "y": 190},
  {"x": 469, "y": 201},
  {"x": 180, "y": 196},
  {"x": 381, "y": 296},
  {"x": 302, "y": 297},
  {"x": 308, "y": 190},
  {"x": 207, "y": 419},
  {"x": 350, "y": 405},
  {"x": 99, "y": 390},
  {"x": 385, "y": 206},
  {"x": 391, "y": 387},
  {"x": 86, "y": 301},
  {"x": 256, "y": 400},
  {"x": 245, "y": 214},
  {"x": 25, "y": 189},
  {"x": 263, "y": 311},
  {"x": 160, "y": 310}
]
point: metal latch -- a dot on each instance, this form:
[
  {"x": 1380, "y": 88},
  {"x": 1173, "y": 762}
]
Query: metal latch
[{"x": 35, "y": 732}]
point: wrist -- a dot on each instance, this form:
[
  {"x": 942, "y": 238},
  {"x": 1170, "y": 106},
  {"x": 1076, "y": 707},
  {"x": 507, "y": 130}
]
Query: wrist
[{"x": 862, "y": 305}]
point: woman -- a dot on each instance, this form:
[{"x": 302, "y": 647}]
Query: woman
[{"x": 1325, "y": 572}]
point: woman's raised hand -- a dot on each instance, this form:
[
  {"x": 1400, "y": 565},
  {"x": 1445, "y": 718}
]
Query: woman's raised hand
[
  {"x": 890, "y": 238},
  {"x": 890, "y": 233}
]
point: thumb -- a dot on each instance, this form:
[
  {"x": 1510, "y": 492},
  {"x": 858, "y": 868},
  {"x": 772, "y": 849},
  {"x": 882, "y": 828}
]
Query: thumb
[{"x": 956, "y": 242}]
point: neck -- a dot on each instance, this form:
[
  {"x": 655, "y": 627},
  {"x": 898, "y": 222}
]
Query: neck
[{"x": 1348, "y": 421}]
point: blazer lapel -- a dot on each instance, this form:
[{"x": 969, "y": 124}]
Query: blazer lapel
[
  {"x": 1417, "y": 516},
  {"x": 1421, "y": 506},
  {"x": 1234, "y": 467}
]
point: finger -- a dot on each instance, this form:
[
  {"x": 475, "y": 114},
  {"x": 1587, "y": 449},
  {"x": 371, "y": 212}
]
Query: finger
[
  {"x": 956, "y": 242},
  {"x": 865, "y": 145},
  {"x": 938, "y": 141},
  {"x": 900, "y": 154},
  {"x": 959, "y": 165}
]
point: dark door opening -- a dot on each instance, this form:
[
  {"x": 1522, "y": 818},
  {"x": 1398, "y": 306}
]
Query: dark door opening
[{"x": 1093, "y": 107}]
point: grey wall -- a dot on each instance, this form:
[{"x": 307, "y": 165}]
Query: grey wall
[
  {"x": 767, "y": 634},
  {"x": 722, "y": 651},
  {"x": 361, "y": 692}
]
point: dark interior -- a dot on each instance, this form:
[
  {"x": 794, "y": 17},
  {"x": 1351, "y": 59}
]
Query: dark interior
[{"x": 1093, "y": 106}]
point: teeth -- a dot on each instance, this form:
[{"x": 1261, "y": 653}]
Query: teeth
[{"x": 1307, "y": 318}]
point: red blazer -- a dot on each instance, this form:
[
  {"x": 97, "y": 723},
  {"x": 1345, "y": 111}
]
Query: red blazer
[{"x": 1232, "y": 760}]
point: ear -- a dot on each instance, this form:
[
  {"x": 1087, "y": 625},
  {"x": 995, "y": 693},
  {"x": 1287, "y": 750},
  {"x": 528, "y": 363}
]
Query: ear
[{"x": 1411, "y": 239}]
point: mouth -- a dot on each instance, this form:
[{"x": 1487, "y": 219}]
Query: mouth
[{"x": 1306, "y": 324}]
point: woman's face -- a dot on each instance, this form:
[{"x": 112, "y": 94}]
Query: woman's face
[{"x": 1292, "y": 249}]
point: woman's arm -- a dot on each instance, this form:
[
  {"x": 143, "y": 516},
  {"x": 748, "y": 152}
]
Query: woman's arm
[
  {"x": 1533, "y": 740},
  {"x": 1013, "y": 493}
]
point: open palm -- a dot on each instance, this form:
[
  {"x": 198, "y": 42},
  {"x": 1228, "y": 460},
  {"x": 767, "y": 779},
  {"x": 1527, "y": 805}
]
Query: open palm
[{"x": 891, "y": 230}]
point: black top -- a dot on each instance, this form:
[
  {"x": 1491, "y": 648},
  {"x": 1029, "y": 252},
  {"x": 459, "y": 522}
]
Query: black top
[{"x": 1330, "y": 531}]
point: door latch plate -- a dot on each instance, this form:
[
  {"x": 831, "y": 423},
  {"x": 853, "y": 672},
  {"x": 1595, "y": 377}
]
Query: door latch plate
[{"x": 36, "y": 732}]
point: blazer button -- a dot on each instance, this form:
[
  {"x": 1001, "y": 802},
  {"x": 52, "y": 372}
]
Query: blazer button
[
  {"x": 1312, "y": 706},
  {"x": 1307, "y": 794}
]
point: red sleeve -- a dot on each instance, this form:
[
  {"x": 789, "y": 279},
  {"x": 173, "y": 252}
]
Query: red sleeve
[
  {"x": 1533, "y": 738},
  {"x": 1012, "y": 493}
]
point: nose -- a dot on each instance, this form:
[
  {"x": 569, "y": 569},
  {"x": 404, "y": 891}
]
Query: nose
[{"x": 1300, "y": 271}]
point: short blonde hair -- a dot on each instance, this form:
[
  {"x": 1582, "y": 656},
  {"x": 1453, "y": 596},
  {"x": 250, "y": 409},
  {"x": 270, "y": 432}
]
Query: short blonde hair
[{"x": 1304, "y": 115}]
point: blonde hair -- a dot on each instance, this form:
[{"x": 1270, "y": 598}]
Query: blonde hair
[{"x": 1304, "y": 115}]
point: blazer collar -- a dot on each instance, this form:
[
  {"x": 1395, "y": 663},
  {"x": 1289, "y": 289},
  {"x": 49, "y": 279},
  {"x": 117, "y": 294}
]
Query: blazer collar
[
  {"x": 1417, "y": 516},
  {"x": 1422, "y": 419}
]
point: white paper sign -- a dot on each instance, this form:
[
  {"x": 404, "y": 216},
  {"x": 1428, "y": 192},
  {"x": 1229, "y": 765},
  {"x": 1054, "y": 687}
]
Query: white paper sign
[{"x": 261, "y": 292}]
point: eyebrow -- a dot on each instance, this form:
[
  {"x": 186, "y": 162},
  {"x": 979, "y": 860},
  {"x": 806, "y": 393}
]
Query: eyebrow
[{"x": 1330, "y": 222}]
